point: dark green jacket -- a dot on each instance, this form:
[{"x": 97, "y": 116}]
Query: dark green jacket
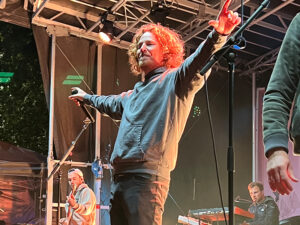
[
  {"x": 266, "y": 212},
  {"x": 282, "y": 89}
]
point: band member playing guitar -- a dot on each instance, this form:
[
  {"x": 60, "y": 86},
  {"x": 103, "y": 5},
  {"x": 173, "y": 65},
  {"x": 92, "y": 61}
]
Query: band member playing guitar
[
  {"x": 81, "y": 202},
  {"x": 70, "y": 210}
]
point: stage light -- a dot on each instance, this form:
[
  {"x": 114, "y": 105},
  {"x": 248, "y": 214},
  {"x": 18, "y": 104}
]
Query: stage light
[{"x": 106, "y": 33}]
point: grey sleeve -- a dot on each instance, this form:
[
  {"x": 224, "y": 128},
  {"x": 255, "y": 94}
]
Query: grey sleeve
[
  {"x": 281, "y": 90},
  {"x": 112, "y": 105},
  {"x": 187, "y": 74}
]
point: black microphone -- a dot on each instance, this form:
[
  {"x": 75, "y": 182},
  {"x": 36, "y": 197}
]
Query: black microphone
[
  {"x": 83, "y": 107},
  {"x": 237, "y": 198},
  {"x": 241, "y": 200}
]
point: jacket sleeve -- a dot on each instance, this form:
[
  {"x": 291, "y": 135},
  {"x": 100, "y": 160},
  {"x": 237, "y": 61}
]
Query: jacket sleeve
[
  {"x": 112, "y": 105},
  {"x": 87, "y": 202},
  {"x": 187, "y": 76},
  {"x": 271, "y": 216},
  {"x": 281, "y": 90}
]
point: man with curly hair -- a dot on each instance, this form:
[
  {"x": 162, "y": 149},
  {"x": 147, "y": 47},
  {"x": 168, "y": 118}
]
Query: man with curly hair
[{"x": 153, "y": 116}]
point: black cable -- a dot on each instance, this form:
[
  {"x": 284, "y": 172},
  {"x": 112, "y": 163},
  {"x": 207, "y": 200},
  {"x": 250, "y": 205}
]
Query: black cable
[
  {"x": 180, "y": 209},
  {"x": 188, "y": 130},
  {"x": 70, "y": 63},
  {"x": 242, "y": 41},
  {"x": 242, "y": 14},
  {"x": 214, "y": 147}
]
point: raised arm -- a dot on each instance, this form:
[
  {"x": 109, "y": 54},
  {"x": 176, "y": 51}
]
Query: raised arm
[{"x": 226, "y": 22}]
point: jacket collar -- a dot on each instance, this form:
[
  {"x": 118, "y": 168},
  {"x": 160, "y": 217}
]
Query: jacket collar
[
  {"x": 155, "y": 72},
  {"x": 81, "y": 186}
]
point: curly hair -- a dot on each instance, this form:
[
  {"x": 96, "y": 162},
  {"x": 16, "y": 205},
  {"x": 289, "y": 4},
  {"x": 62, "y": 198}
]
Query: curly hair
[{"x": 170, "y": 42}]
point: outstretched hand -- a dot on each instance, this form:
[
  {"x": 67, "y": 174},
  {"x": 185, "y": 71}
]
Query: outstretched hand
[
  {"x": 226, "y": 21},
  {"x": 77, "y": 95},
  {"x": 280, "y": 172}
]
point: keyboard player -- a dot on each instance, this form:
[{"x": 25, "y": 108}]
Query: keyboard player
[{"x": 263, "y": 207}]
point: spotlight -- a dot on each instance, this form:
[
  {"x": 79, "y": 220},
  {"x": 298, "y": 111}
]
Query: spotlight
[{"x": 106, "y": 33}]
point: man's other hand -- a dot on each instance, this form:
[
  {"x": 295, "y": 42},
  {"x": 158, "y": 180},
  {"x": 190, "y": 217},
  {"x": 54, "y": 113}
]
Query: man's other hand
[{"x": 280, "y": 172}]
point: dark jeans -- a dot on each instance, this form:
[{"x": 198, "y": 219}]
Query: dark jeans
[{"x": 137, "y": 199}]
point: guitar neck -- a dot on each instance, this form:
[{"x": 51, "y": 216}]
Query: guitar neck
[{"x": 69, "y": 216}]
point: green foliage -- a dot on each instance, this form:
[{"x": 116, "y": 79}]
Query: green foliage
[{"x": 23, "y": 109}]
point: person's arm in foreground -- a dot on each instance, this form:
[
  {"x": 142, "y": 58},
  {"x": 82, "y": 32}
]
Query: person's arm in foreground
[{"x": 276, "y": 110}]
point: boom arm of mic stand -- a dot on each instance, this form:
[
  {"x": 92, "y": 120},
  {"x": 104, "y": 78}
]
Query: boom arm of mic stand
[
  {"x": 61, "y": 162},
  {"x": 232, "y": 40}
]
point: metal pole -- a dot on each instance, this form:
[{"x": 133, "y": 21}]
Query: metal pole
[
  {"x": 97, "y": 181},
  {"x": 58, "y": 197},
  {"x": 50, "y": 161},
  {"x": 254, "y": 127},
  {"x": 230, "y": 155}
]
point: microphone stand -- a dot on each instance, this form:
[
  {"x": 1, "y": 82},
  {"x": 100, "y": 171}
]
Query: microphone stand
[
  {"x": 234, "y": 39},
  {"x": 86, "y": 122},
  {"x": 58, "y": 197}
]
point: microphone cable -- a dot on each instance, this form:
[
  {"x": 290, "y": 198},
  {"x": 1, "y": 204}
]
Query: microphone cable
[
  {"x": 214, "y": 147},
  {"x": 77, "y": 73},
  {"x": 177, "y": 205}
]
